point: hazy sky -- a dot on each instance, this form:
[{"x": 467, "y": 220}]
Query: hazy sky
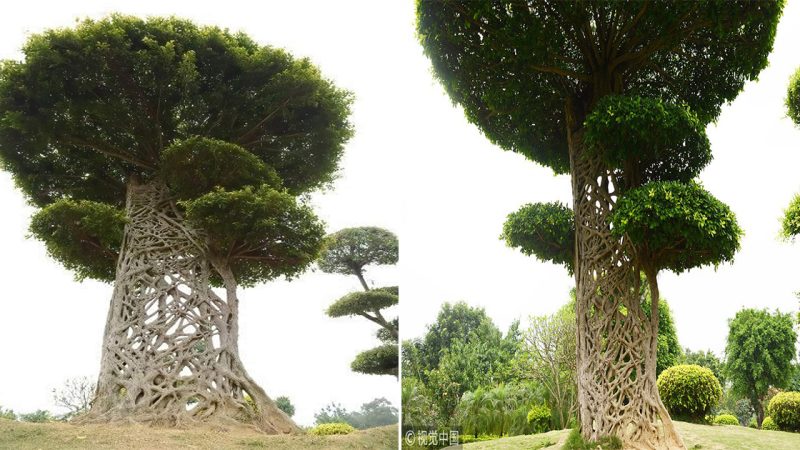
[
  {"x": 51, "y": 326},
  {"x": 461, "y": 189}
]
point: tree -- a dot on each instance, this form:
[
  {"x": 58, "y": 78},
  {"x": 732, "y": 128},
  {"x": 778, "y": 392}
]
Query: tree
[
  {"x": 7, "y": 414},
  {"x": 348, "y": 252},
  {"x": 454, "y": 321},
  {"x": 759, "y": 354},
  {"x": 617, "y": 95},
  {"x": 284, "y": 404},
  {"x": 75, "y": 395},
  {"x": 167, "y": 157},
  {"x": 482, "y": 359},
  {"x": 375, "y": 413},
  {"x": 706, "y": 359},
  {"x": 418, "y": 409},
  {"x": 38, "y": 416},
  {"x": 547, "y": 357}
]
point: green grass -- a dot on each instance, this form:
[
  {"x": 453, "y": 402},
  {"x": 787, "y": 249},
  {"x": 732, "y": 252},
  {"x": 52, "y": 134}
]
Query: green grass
[
  {"x": 64, "y": 436},
  {"x": 705, "y": 437}
]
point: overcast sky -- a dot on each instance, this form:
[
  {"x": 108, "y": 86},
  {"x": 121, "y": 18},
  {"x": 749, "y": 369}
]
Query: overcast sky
[
  {"x": 417, "y": 167},
  {"x": 461, "y": 188},
  {"x": 51, "y": 326}
]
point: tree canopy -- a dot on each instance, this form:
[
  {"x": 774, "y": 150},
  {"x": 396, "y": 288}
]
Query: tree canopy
[
  {"x": 677, "y": 226},
  {"x": 349, "y": 250},
  {"x": 91, "y": 105},
  {"x": 234, "y": 129},
  {"x": 545, "y": 230},
  {"x": 790, "y": 225},
  {"x": 514, "y": 65}
]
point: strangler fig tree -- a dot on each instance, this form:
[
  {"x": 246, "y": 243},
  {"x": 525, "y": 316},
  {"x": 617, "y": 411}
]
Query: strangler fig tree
[
  {"x": 617, "y": 95},
  {"x": 167, "y": 158}
]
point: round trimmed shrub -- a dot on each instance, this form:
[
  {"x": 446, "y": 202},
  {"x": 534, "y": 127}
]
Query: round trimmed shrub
[
  {"x": 726, "y": 419},
  {"x": 689, "y": 392},
  {"x": 784, "y": 409},
  {"x": 327, "y": 429},
  {"x": 769, "y": 424},
  {"x": 539, "y": 418}
]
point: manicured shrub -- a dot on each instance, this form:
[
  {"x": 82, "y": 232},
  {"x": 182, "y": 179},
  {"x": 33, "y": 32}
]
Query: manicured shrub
[
  {"x": 689, "y": 392},
  {"x": 726, "y": 419},
  {"x": 769, "y": 424},
  {"x": 539, "y": 418},
  {"x": 327, "y": 429},
  {"x": 784, "y": 409}
]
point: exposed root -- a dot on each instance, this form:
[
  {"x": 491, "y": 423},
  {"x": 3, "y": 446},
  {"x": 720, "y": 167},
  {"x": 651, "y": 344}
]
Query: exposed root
[{"x": 170, "y": 354}]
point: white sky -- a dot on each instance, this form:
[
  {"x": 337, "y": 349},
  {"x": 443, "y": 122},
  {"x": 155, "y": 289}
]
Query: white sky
[
  {"x": 461, "y": 188},
  {"x": 51, "y": 326},
  {"x": 418, "y": 168}
]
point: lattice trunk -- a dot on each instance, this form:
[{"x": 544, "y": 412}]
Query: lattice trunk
[
  {"x": 170, "y": 352},
  {"x": 617, "y": 343}
]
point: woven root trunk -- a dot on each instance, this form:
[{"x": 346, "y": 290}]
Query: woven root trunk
[
  {"x": 617, "y": 343},
  {"x": 170, "y": 353}
]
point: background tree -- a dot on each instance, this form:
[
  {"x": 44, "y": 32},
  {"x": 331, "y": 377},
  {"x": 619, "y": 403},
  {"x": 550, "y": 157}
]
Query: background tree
[
  {"x": 759, "y": 354},
  {"x": 165, "y": 157},
  {"x": 7, "y": 414},
  {"x": 617, "y": 95},
  {"x": 483, "y": 358},
  {"x": 348, "y": 252},
  {"x": 707, "y": 359},
  {"x": 462, "y": 351},
  {"x": 75, "y": 395},
  {"x": 547, "y": 357},
  {"x": 454, "y": 321},
  {"x": 284, "y": 404},
  {"x": 376, "y": 413}
]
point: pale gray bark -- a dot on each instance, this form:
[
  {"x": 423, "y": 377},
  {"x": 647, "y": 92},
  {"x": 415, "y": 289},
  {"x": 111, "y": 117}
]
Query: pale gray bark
[
  {"x": 170, "y": 351},
  {"x": 616, "y": 343}
]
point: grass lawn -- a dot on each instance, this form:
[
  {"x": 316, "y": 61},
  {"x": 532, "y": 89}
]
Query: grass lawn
[
  {"x": 64, "y": 436},
  {"x": 704, "y": 437}
]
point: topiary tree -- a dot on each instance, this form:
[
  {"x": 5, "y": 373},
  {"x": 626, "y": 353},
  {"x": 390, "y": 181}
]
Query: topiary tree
[
  {"x": 759, "y": 354},
  {"x": 689, "y": 392},
  {"x": 348, "y": 252},
  {"x": 167, "y": 157},
  {"x": 617, "y": 95},
  {"x": 784, "y": 409}
]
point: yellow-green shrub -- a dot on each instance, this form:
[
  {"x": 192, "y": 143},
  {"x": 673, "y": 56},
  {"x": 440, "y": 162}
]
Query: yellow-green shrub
[
  {"x": 769, "y": 424},
  {"x": 726, "y": 419},
  {"x": 784, "y": 409},
  {"x": 327, "y": 429},
  {"x": 689, "y": 391}
]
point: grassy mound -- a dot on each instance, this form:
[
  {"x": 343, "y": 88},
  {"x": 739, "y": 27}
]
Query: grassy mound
[
  {"x": 695, "y": 436},
  {"x": 64, "y": 436}
]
